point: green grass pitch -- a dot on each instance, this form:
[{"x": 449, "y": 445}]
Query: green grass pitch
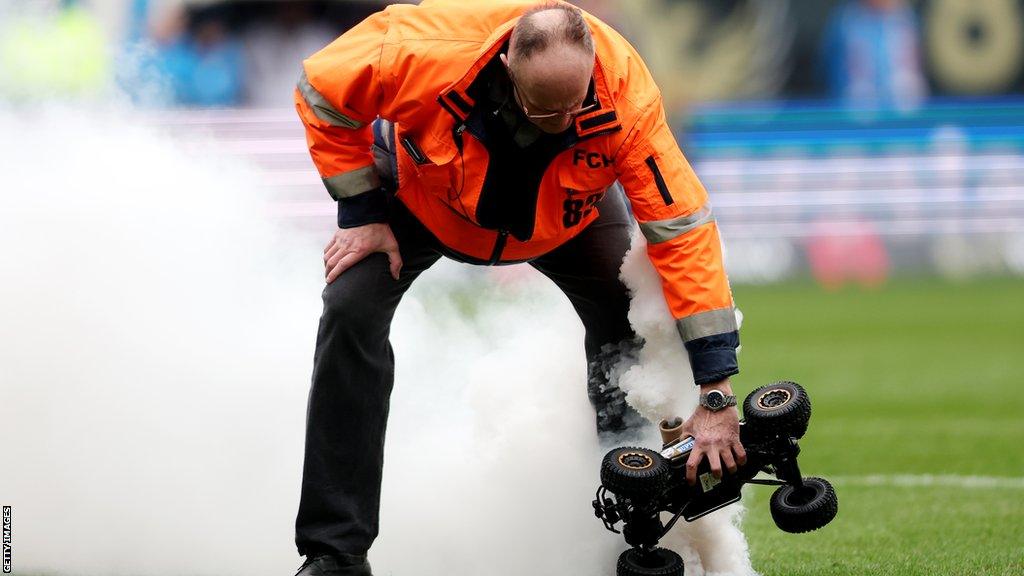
[
  {"x": 918, "y": 416},
  {"x": 918, "y": 395}
]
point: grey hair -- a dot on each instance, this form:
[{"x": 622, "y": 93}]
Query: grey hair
[{"x": 529, "y": 37}]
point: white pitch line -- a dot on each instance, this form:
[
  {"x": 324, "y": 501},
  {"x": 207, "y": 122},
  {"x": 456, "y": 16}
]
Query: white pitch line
[{"x": 926, "y": 480}]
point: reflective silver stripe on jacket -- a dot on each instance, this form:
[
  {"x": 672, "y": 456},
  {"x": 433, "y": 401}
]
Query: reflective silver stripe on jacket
[
  {"x": 353, "y": 182},
  {"x": 708, "y": 323},
  {"x": 323, "y": 109},
  {"x": 664, "y": 230}
]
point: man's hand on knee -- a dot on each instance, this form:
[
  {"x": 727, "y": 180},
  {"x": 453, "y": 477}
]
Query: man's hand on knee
[{"x": 350, "y": 245}]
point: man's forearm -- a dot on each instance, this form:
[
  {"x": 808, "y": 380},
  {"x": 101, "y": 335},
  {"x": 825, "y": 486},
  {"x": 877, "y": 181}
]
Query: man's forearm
[{"x": 724, "y": 385}]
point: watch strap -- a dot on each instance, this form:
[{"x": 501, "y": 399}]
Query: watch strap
[{"x": 729, "y": 400}]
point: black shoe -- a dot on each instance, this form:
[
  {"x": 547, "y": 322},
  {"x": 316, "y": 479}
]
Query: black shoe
[{"x": 324, "y": 565}]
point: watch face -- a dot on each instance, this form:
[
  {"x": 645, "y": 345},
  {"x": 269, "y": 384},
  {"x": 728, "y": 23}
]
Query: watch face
[{"x": 715, "y": 400}]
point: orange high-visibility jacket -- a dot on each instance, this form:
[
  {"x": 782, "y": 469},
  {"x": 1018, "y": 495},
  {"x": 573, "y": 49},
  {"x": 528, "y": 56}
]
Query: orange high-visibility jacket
[{"x": 419, "y": 66}]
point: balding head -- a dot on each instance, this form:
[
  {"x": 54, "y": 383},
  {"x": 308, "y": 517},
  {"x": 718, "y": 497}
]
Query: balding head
[
  {"x": 551, "y": 57},
  {"x": 547, "y": 26}
]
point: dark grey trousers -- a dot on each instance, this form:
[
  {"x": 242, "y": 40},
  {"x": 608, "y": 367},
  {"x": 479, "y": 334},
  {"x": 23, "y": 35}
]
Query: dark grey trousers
[{"x": 353, "y": 368}]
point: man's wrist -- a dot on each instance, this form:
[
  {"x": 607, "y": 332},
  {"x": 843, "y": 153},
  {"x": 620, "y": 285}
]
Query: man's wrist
[
  {"x": 716, "y": 396},
  {"x": 722, "y": 385}
]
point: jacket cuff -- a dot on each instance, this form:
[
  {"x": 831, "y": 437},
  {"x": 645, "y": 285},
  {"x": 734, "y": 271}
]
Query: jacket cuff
[
  {"x": 713, "y": 358},
  {"x": 367, "y": 208}
]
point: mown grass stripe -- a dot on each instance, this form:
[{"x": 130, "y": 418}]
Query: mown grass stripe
[{"x": 928, "y": 480}]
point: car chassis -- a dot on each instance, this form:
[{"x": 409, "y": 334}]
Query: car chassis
[{"x": 639, "y": 484}]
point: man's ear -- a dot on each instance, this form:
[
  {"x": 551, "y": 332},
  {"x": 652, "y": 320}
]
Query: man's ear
[{"x": 504, "y": 59}]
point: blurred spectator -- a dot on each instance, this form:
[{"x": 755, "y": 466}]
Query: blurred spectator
[
  {"x": 51, "y": 48},
  {"x": 871, "y": 54},
  {"x": 191, "y": 55},
  {"x": 276, "y": 47}
]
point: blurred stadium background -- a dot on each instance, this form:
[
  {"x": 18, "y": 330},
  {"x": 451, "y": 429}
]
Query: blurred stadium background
[
  {"x": 848, "y": 140},
  {"x": 866, "y": 163}
]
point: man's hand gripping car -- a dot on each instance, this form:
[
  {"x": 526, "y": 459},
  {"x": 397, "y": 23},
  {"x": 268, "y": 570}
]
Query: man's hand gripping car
[{"x": 638, "y": 484}]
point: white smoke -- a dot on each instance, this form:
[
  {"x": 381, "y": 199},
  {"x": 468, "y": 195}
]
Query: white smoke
[
  {"x": 156, "y": 334},
  {"x": 661, "y": 386}
]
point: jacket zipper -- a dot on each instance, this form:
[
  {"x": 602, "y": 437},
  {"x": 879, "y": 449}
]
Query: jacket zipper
[
  {"x": 659, "y": 181},
  {"x": 499, "y": 243},
  {"x": 499, "y": 246}
]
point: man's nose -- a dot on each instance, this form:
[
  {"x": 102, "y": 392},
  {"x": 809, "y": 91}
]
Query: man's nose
[{"x": 563, "y": 121}]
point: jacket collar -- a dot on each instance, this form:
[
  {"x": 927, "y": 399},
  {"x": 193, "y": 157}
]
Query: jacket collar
[{"x": 456, "y": 100}]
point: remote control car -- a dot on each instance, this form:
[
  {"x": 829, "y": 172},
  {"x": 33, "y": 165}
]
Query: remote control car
[{"x": 639, "y": 484}]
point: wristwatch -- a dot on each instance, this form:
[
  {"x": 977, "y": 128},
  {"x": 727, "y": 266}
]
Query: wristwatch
[{"x": 716, "y": 400}]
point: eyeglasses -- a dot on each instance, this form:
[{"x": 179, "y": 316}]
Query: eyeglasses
[{"x": 544, "y": 115}]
